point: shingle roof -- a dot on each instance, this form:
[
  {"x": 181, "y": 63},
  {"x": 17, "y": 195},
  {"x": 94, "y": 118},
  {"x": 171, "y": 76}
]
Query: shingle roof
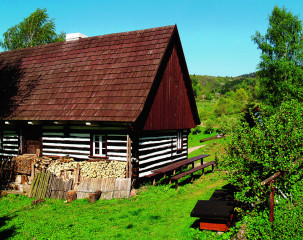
[{"x": 103, "y": 78}]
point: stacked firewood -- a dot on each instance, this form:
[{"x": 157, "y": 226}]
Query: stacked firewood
[
  {"x": 23, "y": 163},
  {"x": 99, "y": 169},
  {"x": 66, "y": 167}
]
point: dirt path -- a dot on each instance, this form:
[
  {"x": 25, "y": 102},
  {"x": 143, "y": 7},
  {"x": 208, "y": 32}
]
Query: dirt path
[{"x": 194, "y": 148}]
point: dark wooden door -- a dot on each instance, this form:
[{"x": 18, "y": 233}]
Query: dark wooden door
[{"x": 32, "y": 140}]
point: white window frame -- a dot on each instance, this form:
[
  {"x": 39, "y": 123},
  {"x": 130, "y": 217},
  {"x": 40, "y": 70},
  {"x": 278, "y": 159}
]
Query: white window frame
[
  {"x": 100, "y": 154},
  {"x": 179, "y": 141}
]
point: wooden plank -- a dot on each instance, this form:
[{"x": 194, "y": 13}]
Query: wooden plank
[
  {"x": 107, "y": 188},
  {"x": 212, "y": 138},
  {"x": 129, "y": 158},
  {"x": 48, "y": 190},
  {"x": 177, "y": 165},
  {"x": 77, "y": 174},
  {"x": 122, "y": 188},
  {"x": 273, "y": 177},
  {"x": 154, "y": 153},
  {"x": 176, "y": 177},
  {"x": 46, "y": 184},
  {"x": 34, "y": 182},
  {"x": 65, "y": 139},
  {"x": 41, "y": 184}
]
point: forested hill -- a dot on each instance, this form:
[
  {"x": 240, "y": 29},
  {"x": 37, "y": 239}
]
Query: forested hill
[
  {"x": 204, "y": 85},
  {"x": 221, "y": 100}
]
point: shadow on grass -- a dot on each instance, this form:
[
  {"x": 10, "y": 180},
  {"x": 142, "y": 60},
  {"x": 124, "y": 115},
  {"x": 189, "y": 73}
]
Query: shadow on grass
[
  {"x": 9, "y": 232},
  {"x": 196, "y": 224}
]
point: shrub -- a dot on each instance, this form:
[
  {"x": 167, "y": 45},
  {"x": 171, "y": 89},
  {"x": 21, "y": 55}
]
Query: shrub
[
  {"x": 254, "y": 154},
  {"x": 209, "y": 126},
  {"x": 196, "y": 130},
  {"x": 288, "y": 219}
]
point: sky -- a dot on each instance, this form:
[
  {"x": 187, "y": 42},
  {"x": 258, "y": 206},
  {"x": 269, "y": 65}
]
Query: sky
[{"x": 215, "y": 34}]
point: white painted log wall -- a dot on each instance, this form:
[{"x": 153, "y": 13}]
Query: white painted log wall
[
  {"x": 159, "y": 150},
  {"x": 77, "y": 144},
  {"x": 10, "y": 143}
]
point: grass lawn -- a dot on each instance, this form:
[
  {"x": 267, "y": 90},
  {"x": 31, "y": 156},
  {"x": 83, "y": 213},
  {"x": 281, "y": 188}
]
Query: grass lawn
[
  {"x": 194, "y": 139},
  {"x": 157, "y": 212}
]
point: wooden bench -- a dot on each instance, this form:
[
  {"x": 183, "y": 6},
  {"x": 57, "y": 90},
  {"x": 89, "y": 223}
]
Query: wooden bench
[
  {"x": 191, "y": 171},
  {"x": 175, "y": 166}
]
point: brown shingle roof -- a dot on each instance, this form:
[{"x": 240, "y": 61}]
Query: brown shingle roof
[{"x": 103, "y": 78}]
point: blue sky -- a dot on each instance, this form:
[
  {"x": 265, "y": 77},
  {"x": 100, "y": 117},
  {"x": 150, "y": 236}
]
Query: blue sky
[{"x": 215, "y": 34}]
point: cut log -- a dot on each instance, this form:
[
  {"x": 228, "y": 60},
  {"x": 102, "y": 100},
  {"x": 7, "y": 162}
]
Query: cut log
[
  {"x": 94, "y": 197},
  {"x": 71, "y": 195}
]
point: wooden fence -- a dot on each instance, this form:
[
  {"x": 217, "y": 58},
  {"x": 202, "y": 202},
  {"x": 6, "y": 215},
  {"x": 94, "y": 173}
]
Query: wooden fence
[
  {"x": 7, "y": 173},
  {"x": 47, "y": 185}
]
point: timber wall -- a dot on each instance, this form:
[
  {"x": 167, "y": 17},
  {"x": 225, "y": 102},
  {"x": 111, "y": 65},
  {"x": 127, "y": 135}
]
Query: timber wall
[
  {"x": 77, "y": 142},
  {"x": 158, "y": 150},
  {"x": 74, "y": 141},
  {"x": 10, "y": 143}
]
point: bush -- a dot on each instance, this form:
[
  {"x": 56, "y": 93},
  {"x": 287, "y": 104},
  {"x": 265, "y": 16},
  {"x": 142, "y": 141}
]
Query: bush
[
  {"x": 254, "y": 154},
  {"x": 288, "y": 219},
  {"x": 209, "y": 126},
  {"x": 196, "y": 130}
]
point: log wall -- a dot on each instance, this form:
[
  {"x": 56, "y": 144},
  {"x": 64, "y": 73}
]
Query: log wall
[
  {"x": 158, "y": 150},
  {"x": 76, "y": 142},
  {"x": 10, "y": 143}
]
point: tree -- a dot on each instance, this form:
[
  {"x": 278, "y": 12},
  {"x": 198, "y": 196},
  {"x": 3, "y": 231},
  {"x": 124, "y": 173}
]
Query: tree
[
  {"x": 280, "y": 69},
  {"x": 37, "y": 29},
  {"x": 195, "y": 85}
]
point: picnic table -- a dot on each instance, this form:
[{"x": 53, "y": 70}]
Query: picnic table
[{"x": 171, "y": 168}]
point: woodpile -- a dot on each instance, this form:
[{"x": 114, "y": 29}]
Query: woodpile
[
  {"x": 99, "y": 169},
  {"x": 23, "y": 163},
  {"x": 62, "y": 177}
]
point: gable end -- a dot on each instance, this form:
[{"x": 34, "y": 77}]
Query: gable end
[{"x": 171, "y": 103}]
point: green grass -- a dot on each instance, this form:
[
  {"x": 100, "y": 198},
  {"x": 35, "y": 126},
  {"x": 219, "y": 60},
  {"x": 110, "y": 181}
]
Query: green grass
[
  {"x": 157, "y": 212},
  {"x": 194, "y": 139}
]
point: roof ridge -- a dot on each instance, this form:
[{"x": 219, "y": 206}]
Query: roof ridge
[{"x": 90, "y": 38}]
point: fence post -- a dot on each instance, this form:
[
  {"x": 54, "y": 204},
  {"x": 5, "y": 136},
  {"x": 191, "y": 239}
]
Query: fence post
[{"x": 272, "y": 202}]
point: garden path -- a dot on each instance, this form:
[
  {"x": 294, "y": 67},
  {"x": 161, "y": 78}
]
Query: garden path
[{"x": 194, "y": 148}]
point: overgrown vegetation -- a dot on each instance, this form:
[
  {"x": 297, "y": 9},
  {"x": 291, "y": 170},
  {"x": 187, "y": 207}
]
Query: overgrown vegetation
[
  {"x": 263, "y": 142},
  {"x": 273, "y": 144}
]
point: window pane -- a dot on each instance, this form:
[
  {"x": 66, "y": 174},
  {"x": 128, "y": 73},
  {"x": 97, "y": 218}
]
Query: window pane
[{"x": 97, "y": 145}]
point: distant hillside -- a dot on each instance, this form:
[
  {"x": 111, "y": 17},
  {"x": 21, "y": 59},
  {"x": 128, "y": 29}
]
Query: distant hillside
[
  {"x": 249, "y": 75},
  {"x": 204, "y": 85}
]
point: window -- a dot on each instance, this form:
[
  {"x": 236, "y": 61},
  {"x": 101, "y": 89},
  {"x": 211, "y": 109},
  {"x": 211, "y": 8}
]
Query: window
[
  {"x": 179, "y": 141},
  {"x": 98, "y": 146}
]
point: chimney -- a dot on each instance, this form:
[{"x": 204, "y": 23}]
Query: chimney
[{"x": 74, "y": 36}]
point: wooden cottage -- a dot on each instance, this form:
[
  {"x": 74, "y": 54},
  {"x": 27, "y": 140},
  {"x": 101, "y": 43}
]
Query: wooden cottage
[{"x": 97, "y": 97}]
